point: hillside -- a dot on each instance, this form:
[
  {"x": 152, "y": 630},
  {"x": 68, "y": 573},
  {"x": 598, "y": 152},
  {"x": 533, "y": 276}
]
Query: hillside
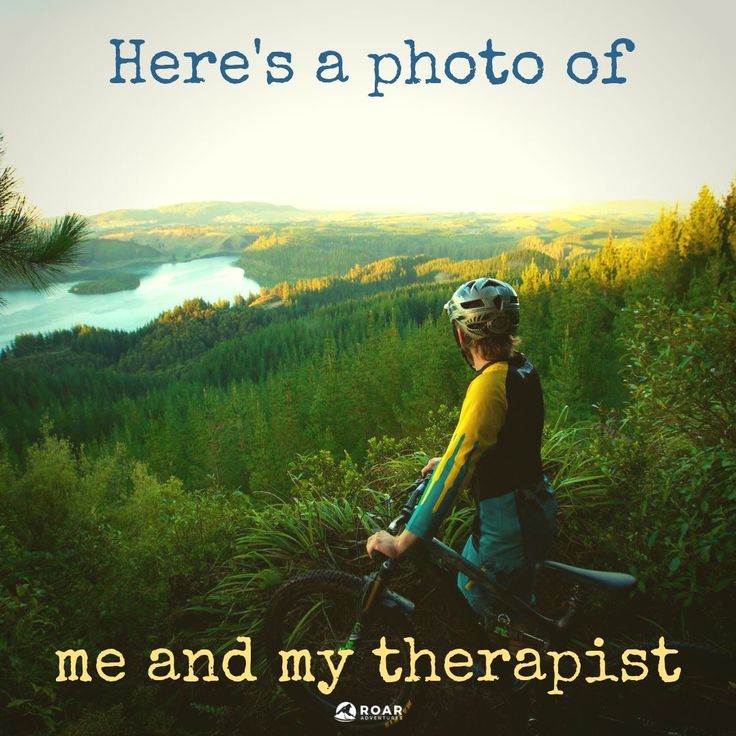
[
  {"x": 195, "y": 213},
  {"x": 97, "y": 251},
  {"x": 278, "y": 242}
]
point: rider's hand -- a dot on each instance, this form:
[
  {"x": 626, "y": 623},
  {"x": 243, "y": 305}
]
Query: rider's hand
[
  {"x": 430, "y": 466},
  {"x": 389, "y": 545},
  {"x": 384, "y": 543}
]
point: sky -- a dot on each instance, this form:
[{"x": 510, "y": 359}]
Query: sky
[{"x": 80, "y": 143}]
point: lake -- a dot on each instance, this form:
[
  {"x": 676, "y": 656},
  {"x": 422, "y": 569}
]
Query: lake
[{"x": 161, "y": 288}]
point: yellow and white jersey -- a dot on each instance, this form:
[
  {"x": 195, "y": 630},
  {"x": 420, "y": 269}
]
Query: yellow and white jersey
[{"x": 496, "y": 445}]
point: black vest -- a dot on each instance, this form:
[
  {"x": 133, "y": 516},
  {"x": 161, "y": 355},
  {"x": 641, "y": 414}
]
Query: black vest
[{"x": 515, "y": 461}]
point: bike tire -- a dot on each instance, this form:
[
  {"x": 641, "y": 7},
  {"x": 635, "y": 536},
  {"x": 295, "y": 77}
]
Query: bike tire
[{"x": 317, "y": 611}]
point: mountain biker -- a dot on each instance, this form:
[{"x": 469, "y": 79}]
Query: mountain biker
[{"x": 495, "y": 449}]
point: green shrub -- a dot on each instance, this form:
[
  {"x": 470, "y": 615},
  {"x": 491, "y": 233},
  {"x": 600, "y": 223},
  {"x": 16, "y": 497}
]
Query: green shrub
[{"x": 678, "y": 456}]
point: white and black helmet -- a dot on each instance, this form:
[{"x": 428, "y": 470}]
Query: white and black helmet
[{"x": 484, "y": 307}]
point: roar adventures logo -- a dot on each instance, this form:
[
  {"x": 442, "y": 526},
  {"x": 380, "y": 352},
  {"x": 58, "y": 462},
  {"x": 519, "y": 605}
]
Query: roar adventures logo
[{"x": 347, "y": 712}]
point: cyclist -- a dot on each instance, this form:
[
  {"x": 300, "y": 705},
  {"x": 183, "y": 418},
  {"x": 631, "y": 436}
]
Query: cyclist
[{"x": 495, "y": 449}]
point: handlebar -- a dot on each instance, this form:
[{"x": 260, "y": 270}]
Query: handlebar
[
  {"x": 414, "y": 492},
  {"x": 379, "y": 557}
]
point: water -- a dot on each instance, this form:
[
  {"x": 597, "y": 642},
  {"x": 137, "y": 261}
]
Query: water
[{"x": 161, "y": 288}]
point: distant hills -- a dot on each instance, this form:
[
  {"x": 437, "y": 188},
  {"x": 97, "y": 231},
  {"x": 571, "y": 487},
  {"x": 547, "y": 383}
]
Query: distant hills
[
  {"x": 182, "y": 231},
  {"x": 195, "y": 213},
  {"x": 259, "y": 213},
  {"x": 276, "y": 242},
  {"x": 99, "y": 251}
]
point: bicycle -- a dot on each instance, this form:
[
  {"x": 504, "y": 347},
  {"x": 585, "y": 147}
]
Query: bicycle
[{"x": 336, "y": 611}]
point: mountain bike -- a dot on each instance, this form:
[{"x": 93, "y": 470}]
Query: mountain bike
[{"x": 334, "y": 611}]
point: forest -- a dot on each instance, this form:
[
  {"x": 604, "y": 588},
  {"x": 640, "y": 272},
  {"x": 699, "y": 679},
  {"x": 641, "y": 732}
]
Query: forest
[
  {"x": 279, "y": 243},
  {"x": 157, "y": 485}
]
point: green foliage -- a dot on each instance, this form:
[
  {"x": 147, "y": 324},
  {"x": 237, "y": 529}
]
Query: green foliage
[
  {"x": 108, "y": 285},
  {"x": 31, "y": 253},
  {"x": 681, "y": 379},
  {"x": 702, "y": 226},
  {"x": 28, "y": 621},
  {"x": 94, "y": 553}
]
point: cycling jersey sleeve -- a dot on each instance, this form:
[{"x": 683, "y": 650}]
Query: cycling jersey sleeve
[{"x": 481, "y": 417}]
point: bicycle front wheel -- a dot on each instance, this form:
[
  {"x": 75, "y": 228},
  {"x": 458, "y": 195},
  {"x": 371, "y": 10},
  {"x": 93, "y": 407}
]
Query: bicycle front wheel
[{"x": 317, "y": 611}]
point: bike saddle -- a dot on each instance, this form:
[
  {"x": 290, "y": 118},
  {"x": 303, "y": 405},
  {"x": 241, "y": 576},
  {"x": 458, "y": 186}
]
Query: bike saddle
[{"x": 607, "y": 580}]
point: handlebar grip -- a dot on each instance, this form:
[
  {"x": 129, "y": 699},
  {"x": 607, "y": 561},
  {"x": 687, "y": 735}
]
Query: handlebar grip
[{"x": 377, "y": 556}]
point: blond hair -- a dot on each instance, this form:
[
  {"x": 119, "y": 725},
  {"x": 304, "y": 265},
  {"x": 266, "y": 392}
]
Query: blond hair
[{"x": 497, "y": 347}]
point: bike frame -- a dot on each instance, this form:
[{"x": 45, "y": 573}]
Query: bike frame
[{"x": 440, "y": 557}]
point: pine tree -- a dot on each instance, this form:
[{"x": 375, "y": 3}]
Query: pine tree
[
  {"x": 727, "y": 235},
  {"x": 565, "y": 387},
  {"x": 701, "y": 228},
  {"x": 30, "y": 253}
]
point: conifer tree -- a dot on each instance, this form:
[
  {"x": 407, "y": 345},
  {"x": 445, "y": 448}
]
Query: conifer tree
[
  {"x": 701, "y": 227},
  {"x": 727, "y": 234},
  {"x": 31, "y": 253}
]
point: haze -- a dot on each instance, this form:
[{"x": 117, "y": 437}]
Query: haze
[{"x": 80, "y": 143}]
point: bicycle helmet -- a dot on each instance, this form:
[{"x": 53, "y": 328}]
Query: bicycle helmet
[{"x": 484, "y": 307}]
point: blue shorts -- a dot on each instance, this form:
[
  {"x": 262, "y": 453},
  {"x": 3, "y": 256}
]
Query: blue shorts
[{"x": 500, "y": 554}]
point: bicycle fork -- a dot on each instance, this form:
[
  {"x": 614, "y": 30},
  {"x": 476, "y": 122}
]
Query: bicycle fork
[{"x": 376, "y": 596}]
